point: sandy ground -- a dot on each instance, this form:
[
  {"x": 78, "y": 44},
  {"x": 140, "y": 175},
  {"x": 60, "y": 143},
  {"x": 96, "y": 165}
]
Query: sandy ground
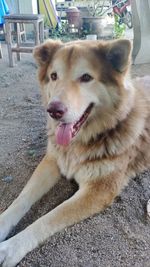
[{"x": 118, "y": 237}]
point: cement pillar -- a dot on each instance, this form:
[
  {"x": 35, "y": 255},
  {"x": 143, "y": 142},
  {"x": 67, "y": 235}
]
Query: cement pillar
[{"x": 141, "y": 23}]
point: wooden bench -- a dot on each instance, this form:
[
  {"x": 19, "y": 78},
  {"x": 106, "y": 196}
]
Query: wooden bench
[{"x": 22, "y": 47}]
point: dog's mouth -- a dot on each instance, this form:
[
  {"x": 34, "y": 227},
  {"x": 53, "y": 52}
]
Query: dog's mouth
[{"x": 65, "y": 132}]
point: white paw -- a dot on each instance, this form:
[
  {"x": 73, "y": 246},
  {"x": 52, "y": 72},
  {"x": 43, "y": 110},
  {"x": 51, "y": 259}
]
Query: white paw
[
  {"x": 5, "y": 227},
  {"x": 5, "y": 255},
  {"x": 9, "y": 255},
  {"x": 2, "y": 253}
]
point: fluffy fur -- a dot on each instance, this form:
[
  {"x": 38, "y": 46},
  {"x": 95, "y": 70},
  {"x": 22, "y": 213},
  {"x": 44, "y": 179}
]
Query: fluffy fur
[{"x": 111, "y": 146}]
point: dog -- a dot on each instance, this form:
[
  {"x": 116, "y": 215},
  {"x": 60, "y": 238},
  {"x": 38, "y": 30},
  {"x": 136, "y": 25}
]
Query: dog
[{"x": 98, "y": 133}]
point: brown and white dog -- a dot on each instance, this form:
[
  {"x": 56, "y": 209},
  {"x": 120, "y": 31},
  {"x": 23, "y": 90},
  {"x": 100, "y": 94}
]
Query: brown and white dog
[{"x": 98, "y": 133}]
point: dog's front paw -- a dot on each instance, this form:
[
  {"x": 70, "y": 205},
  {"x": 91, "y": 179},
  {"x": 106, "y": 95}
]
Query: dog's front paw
[
  {"x": 6, "y": 254},
  {"x": 5, "y": 227},
  {"x": 9, "y": 255}
]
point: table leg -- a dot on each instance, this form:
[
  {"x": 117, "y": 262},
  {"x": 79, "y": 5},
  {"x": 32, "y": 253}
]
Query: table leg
[
  {"x": 1, "y": 55},
  {"x": 18, "y": 40},
  {"x": 41, "y": 28},
  {"x": 36, "y": 31},
  {"x": 9, "y": 43}
]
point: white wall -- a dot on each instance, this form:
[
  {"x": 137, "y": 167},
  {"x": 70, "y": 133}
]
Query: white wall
[
  {"x": 28, "y": 6},
  {"x": 13, "y": 6}
]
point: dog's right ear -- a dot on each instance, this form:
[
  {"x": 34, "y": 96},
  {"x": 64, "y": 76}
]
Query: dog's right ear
[
  {"x": 118, "y": 53},
  {"x": 43, "y": 53}
]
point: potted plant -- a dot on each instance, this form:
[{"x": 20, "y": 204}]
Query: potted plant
[{"x": 97, "y": 20}]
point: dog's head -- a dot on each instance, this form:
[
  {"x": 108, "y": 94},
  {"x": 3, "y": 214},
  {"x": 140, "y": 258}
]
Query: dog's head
[{"x": 82, "y": 81}]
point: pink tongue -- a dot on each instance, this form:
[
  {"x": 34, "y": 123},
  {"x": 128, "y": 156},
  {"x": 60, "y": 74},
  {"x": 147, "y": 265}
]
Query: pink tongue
[{"x": 64, "y": 134}]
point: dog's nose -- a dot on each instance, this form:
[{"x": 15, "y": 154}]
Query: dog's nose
[{"x": 56, "y": 110}]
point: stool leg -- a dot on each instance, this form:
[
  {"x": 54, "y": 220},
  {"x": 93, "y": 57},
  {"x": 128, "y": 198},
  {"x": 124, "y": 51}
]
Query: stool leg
[
  {"x": 1, "y": 54},
  {"x": 22, "y": 29},
  {"x": 9, "y": 43},
  {"x": 36, "y": 31},
  {"x": 41, "y": 28},
  {"x": 18, "y": 41}
]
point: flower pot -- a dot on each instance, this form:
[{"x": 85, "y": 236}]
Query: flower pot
[
  {"x": 74, "y": 17},
  {"x": 98, "y": 26}
]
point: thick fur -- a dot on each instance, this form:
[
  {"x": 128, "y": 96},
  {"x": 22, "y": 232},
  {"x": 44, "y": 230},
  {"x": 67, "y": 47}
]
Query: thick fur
[{"x": 112, "y": 145}]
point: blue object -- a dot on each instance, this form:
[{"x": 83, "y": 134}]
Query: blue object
[
  {"x": 3, "y": 11},
  {"x": 7, "y": 179}
]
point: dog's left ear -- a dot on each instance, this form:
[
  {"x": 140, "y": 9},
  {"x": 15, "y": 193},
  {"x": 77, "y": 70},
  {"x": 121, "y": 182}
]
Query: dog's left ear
[{"x": 118, "y": 53}]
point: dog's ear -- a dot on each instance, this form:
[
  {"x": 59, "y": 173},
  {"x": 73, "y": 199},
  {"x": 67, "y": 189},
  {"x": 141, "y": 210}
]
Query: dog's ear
[
  {"x": 118, "y": 53},
  {"x": 44, "y": 53}
]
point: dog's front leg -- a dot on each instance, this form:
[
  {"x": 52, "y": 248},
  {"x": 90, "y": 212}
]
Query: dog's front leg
[
  {"x": 88, "y": 200},
  {"x": 43, "y": 178}
]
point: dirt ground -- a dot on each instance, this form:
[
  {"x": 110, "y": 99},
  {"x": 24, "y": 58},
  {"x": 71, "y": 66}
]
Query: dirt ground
[{"x": 118, "y": 237}]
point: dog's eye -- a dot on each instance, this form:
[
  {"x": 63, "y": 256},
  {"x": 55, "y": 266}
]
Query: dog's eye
[
  {"x": 85, "y": 78},
  {"x": 54, "y": 76}
]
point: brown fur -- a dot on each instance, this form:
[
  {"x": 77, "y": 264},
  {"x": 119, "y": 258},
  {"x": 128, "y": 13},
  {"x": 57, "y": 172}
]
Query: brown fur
[{"x": 112, "y": 145}]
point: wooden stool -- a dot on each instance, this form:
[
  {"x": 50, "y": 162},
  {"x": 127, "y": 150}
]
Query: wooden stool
[{"x": 19, "y": 20}]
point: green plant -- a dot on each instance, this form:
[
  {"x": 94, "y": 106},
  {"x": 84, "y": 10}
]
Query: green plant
[
  {"x": 119, "y": 28},
  {"x": 98, "y": 8},
  {"x": 61, "y": 32}
]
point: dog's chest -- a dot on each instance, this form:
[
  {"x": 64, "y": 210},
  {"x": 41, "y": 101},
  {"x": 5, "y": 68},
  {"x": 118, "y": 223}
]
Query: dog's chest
[
  {"x": 68, "y": 161},
  {"x": 67, "y": 164}
]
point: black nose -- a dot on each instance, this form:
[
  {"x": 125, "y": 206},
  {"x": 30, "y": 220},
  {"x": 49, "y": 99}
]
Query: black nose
[{"x": 56, "y": 110}]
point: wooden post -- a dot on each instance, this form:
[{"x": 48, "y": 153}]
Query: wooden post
[
  {"x": 141, "y": 24},
  {"x": 9, "y": 43},
  {"x": 1, "y": 54},
  {"x": 18, "y": 37},
  {"x": 36, "y": 32},
  {"x": 41, "y": 29}
]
